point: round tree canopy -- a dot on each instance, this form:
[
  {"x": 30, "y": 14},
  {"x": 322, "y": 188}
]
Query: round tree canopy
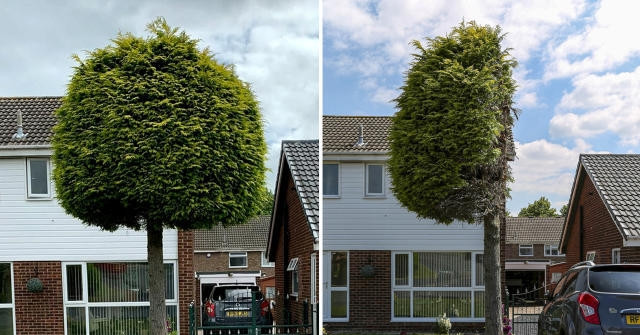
[{"x": 155, "y": 131}]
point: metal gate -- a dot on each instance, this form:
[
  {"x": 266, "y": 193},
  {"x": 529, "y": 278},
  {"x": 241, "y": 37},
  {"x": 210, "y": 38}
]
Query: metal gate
[
  {"x": 306, "y": 328},
  {"x": 524, "y": 310}
]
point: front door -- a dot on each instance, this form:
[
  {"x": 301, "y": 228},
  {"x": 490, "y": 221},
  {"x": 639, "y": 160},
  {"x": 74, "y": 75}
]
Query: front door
[{"x": 336, "y": 286}]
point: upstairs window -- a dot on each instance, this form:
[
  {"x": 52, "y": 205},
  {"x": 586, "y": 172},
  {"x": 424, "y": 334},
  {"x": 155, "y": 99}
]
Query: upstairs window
[
  {"x": 237, "y": 259},
  {"x": 265, "y": 261},
  {"x": 375, "y": 179},
  {"x": 38, "y": 178},
  {"x": 551, "y": 250},
  {"x": 330, "y": 179},
  {"x": 615, "y": 256},
  {"x": 526, "y": 249}
]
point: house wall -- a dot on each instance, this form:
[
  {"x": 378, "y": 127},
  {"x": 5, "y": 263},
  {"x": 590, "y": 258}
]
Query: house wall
[
  {"x": 38, "y": 313},
  {"x": 513, "y": 254},
  {"x": 356, "y": 222},
  {"x": 186, "y": 279},
  {"x": 40, "y": 230},
  {"x": 600, "y": 232},
  {"x": 300, "y": 244},
  {"x": 219, "y": 262}
]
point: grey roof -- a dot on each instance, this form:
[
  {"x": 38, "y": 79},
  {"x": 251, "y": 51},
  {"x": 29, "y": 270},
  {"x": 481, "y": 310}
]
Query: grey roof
[
  {"x": 617, "y": 180},
  {"x": 534, "y": 230},
  {"x": 302, "y": 158},
  {"x": 340, "y": 133},
  {"x": 37, "y": 119},
  {"x": 249, "y": 236}
]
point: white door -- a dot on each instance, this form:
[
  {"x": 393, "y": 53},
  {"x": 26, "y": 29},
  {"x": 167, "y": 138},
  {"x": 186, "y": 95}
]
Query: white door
[{"x": 336, "y": 286}]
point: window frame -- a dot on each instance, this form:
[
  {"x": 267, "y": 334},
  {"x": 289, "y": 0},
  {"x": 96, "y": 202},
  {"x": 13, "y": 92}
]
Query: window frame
[
  {"x": 526, "y": 246},
  {"x": 590, "y": 256},
  {"x": 613, "y": 256},
  {"x": 11, "y": 305},
  {"x": 38, "y": 196},
  {"x": 238, "y": 254},
  {"x": 558, "y": 276},
  {"x": 294, "y": 276},
  {"x": 86, "y": 305},
  {"x": 472, "y": 288},
  {"x": 330, "y": 289},
  {"x": 339, "y": 180},
  {"x": 368, "y": 194},
  {"x": 264, "y": 262},
  {"x": 550, "y": 249}
]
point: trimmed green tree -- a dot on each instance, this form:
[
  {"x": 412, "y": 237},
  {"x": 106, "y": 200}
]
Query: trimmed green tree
[
  {"x": 155, "y": 134},
  {"x": 539, "y": 208},
  {"x": 451, "y": 139},
  {"x": 564, "y": 211}
]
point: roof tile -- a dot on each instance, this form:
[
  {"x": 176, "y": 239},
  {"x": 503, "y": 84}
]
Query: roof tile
[{"x": 37, "y": 119}]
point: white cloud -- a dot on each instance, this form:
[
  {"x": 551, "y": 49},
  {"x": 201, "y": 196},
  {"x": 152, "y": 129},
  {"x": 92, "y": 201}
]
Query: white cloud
[
  {"x": 385, "y": 95},
  {"x": 606, "y": 42},
  {"x": 546, "y": 168},
  {"x": 528, "y": 100},
  {"x": 599, "y": 104}
]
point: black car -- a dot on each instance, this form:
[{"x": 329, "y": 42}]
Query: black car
[
  {"x": 232, "y": 305},
  {"x": 594, "y": 299}
]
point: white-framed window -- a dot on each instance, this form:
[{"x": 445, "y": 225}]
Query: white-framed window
[
  {"x": 107, "y": 297},
  {"x": 551, "y": 250},
  {"x": 38, "y": 178},
  {"x": 337, "y": 292},
  {"x": 238, "y": 259},
  {"x": 7, "y": 304},
  {"x": 374, "y": 180},
  {"x": 591, "y": 256},
  {"x": 265, "y": 262},
  {"x": 555, "y": 277},
  {"x": 525, "y": 249},
  {"x": 615, "y": 256},
  {"x": 331, "y": 180},
  {"x": 292, "y": 268},
  {"x": 426, "y": 284}
]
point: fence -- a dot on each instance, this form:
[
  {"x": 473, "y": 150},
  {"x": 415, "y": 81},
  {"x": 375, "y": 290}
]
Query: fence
[{"x": 252, "y": 324}]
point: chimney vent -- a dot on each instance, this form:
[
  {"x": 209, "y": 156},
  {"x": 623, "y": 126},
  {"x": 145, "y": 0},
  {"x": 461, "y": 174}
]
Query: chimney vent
[
  {"x": 360, "y": 137},
  {"x": 19, "y": 134}
]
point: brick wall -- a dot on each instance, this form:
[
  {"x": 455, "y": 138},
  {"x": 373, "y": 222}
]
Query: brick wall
[
  {"x": 600, "y": 233},
  {"x": 219, "y": 262},
  {"x": 299, "y": 240},
  {"x": 513, "y": 254},
  {"x": 370, "y": 299},
  {"x": 39, "y": 313},
  {"x": 186, "y": 280}
]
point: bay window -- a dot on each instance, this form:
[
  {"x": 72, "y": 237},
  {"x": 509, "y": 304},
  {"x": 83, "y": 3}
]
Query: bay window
[{"x": 427, "y": 284}]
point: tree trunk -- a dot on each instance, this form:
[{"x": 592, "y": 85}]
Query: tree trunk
[
  {"x": 492, "y": 292},
  {"x": 157, "y": 309}
]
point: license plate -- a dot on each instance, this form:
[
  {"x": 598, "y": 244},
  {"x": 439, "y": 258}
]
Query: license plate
[
  {"x": 238, "y": 314},
  {"x": 633, "y": 319}
]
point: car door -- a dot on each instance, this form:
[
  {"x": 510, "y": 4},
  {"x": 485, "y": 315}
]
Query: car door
[
  {"x": 546, "y": 324},
  {"x": 568, "y": 309}
]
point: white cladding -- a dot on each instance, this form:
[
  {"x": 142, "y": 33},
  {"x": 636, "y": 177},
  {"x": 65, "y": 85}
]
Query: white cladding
[
  {"x": 353, "y": 221},
  {"x": 39, "y": 230}
]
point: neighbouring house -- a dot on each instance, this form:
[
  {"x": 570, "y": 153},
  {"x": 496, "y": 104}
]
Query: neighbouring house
[
  {"x": 532, "y": 246},
  {"x": 384, "y": 268},
  {"x": 293, "y": 234},
  {"x": 93, "y": 281},
  {"x": 234, "y": 255},
  {"x": 603, "y": 222}
]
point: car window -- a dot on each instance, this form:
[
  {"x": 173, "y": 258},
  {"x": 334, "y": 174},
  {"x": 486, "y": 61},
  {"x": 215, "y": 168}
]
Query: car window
[
  {"x": 615, "y": 279},
  {"x": 570, "y": 284},
  {"x": 560, "y": 286},
  {"x": 233, "y": 293}
]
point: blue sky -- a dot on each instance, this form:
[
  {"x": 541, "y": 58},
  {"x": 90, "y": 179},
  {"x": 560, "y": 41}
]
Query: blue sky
[{"x": 578, "y": 74}]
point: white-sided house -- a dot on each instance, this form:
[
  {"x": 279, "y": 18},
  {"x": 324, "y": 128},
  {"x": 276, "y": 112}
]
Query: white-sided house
[
  {"x": 92, "y": 281},
  {"x": 385, "y": 269}
]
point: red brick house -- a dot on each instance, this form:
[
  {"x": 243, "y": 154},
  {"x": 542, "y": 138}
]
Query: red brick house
[
  {"x": 233, "y": 255},
  {"x": 293, "y": 233},
  {"x": 531, "y": 246},
  {"x": 603, "y": 222}
]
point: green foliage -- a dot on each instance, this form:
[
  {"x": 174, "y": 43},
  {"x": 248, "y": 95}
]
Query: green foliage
[
  {"x": 454, "y": 117},
  {"x": 539, "y": 208},
  {"x": 266, "y": 202},
  {"x": 154, "y": 131},
  {"x": 564, "y": 211}
]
